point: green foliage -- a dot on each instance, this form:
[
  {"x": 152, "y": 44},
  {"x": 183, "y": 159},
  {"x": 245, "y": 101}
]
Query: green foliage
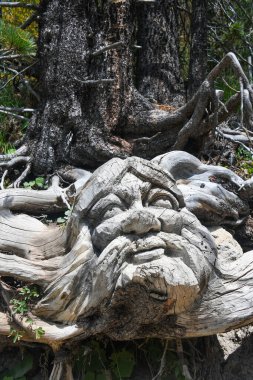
[
  {"x": 17, "y": 16},
  {"x": 242, "y": 153},
  {"x": 63, "y": 219},
  {"x": 230, "y": 88},
  {"x": 38, "y": 183},
  {"x": 231, "y": 29},
  {"x": 26, "y": 296},
  {"x": 15, "y": 39},
  {"x": 39, "y": 332},
  {"x": 15, "y": 334},
  {"x": 244, "y": 162},
  {"x": 101, "y": 360}
]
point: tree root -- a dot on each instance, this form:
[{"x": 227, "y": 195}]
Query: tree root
[
  {"x": 208, "y": 99},
  {"x": 10, "y": 160},
  {"x": 197, "y": 117}
]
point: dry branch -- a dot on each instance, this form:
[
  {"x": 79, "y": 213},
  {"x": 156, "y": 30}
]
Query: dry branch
[{"x": 18, "y": 4}]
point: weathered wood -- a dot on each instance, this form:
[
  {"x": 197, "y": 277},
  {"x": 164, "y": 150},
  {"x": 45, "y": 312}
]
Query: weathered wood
[
  {"x": 210, "y": 192},
  {"x": 133, "y": 261},
  {"x": 29, "y": 238}
]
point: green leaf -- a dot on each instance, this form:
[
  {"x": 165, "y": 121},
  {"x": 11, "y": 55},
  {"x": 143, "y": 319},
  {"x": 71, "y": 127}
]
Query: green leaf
[
  {"x": 60, "y": 220},
  {"x": 39, "y": 332},
  {"x": 11, "y": 151},
  {"x": 26, "y": 184},
  {"x": 40, "y": 181},
  {"x": 29, "y": 321},
  {"x": 68, "y": 213}
]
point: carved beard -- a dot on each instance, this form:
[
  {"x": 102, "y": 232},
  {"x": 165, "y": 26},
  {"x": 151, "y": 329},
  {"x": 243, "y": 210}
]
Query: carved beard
[{"x": 171, "y": 269}]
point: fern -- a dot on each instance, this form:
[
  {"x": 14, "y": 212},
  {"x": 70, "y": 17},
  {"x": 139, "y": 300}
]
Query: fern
[{"x": 16, "y": 39}]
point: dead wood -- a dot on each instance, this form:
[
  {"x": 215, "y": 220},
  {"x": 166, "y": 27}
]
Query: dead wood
[{"x": 131, "y": 254}]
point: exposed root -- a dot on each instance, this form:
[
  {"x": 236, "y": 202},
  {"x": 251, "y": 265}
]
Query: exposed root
[
  {"x": 23, "y": 174},
  {"x": 62, "y": 368},
  {"x": 8, "y": 161},
  {"x": 208, "y": 100},
  {"x": 19, "y": 152},
  {"x": 55, "y": 334},
  {"x": 3, "y": 179}
]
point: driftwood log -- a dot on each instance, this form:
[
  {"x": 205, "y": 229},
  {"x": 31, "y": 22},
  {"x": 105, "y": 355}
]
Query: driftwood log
[{"x": 133, "y": 260}]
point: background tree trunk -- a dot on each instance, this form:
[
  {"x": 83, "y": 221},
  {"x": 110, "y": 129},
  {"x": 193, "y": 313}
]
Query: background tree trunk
[
  {"x": 88, "y": 55},
  {"x": 198, "y": 50},
  {"x": 158, "y": 70}
]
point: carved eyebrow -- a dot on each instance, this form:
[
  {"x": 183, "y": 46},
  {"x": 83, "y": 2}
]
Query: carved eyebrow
[
  {"x": 158, "y": 193},
  {"x": 103, "y": 203}
]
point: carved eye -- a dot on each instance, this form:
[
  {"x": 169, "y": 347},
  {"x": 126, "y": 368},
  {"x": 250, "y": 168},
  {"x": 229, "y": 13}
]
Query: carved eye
[
  {"x": 111, "y": 211},
  {"x": 161, "y": 202},
  {"x": 161, "y": 198},
  {"x": 105, "y": 208}
]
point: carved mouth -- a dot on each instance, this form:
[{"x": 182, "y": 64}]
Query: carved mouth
[{"x": 146, "y": 256}]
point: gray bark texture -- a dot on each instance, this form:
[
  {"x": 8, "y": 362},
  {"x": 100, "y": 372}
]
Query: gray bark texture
[
  {"x": 111, "y": 87},
  {"x": 198, "y": 51}
]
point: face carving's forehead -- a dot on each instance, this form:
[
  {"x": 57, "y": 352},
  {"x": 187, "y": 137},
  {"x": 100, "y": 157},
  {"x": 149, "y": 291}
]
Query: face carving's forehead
[
  {"x": 128, "y": 176},
  {"x": 132, "y": 188}
]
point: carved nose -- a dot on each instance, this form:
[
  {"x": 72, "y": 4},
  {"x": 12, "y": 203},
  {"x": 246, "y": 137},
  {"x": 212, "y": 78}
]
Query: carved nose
[{"x": 140, "y": 222}]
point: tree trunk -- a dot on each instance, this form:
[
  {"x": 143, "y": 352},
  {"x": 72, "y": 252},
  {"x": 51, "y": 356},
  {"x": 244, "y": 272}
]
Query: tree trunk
[
  {"x": 100, "y": 91},
  {"x": 158, "y": 71},
  {"x": 87, "y": 54},
  {"x": 198, "y": 51}
]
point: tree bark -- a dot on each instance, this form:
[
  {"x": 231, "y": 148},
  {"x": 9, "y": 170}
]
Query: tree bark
[
  {"x": 198, "y": 50},
  {"x": 158, "y": 70}
]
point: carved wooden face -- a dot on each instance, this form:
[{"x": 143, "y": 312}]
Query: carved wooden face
[{"x": 144, "y": 237}]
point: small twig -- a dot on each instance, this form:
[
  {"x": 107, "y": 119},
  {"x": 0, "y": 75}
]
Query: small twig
[
  {"x": 18, "y": 4},
  {"x": 163, "y": 362},
  {"x": 91, "y": 82},
  {"x": 16, "y": 109},
  {"x": 145, "y": 1},
  {"x": 234, "y": 141},
  {"x": 184, "y": 10},
  {"x": 30, "y": 89},
  {"x": 241, "y": 92},
  {"x": 14, "y": 56},
  {"x": 180, "y": 353},
  {"x": 19, "y": 152},
  {"x": 14, "y": 115},
  {"x": 18, "y": 74},
  {"x": 30, "y": 20},
  {"x": 14, "y": 161},
  {"x": 223, "y": 105},
  {"x": 23, "y": 175},
  {"x": 231, "y": 88},
  {"x": 115, "y": 45},
  {"x": 147, "y": 139}
]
